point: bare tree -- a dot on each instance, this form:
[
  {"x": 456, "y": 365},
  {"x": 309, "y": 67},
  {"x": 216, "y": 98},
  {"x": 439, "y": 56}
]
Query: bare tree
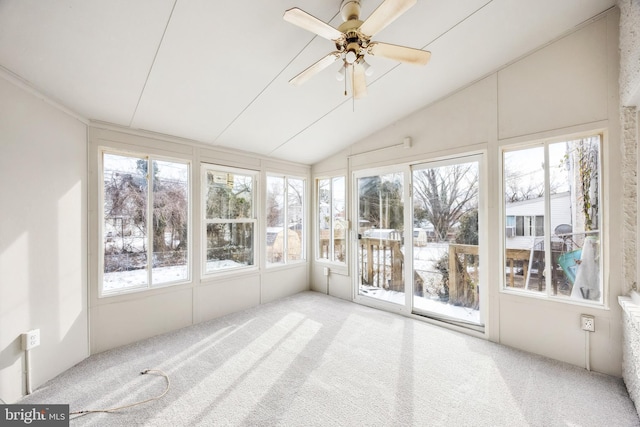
[
  {"x": 230, "y": 199},
  {"x": 126, "y": 197},
  {"x": 444, "y": 194},
  {"x": 522, "y": 185},
  {"x": 381, "y": 201},
  {"x": 295, "y": 202},
  {"x": 586, "y": 154},
  {"x": 275, "y": 201}
]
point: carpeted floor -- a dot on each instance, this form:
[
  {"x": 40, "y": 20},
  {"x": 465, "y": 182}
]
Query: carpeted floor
[{"x": 315, "y": 360}]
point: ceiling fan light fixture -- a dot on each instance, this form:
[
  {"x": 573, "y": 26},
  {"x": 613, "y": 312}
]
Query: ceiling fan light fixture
[
  {"x": 368, "y": 69},
  {"x": 350, "y": 57}
]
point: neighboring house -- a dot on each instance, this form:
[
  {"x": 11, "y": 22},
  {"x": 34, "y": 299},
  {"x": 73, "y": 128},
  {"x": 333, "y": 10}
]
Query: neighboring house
[
  {"x": 276, "y": 244},
  {"x": 525, "y": 219}
]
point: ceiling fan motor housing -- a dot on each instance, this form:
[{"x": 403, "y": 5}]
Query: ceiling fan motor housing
[{"x": 353, "y": 41}]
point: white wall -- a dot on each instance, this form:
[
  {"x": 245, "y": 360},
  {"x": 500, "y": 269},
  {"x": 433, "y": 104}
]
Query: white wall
[
  {"x": 123, "y": 319},
  {"x": 49, "y": 243},
  {"x": 43, "y": 238},
  {"x": 567, "y": 87}
]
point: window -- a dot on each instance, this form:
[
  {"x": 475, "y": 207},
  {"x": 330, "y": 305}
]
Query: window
[
  {"x": 285, "y": 219},
  {"x": 332, "y": 222},
  {"x": 552, "y": 205},
  {"x": 229, "y": 218},
  {"x": 138, "y": 253},
  {"x": 525, "y": 225}
]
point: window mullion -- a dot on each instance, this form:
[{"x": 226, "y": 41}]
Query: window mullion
[
  {"x": 149, "y": 220},
  {"x": 285, "y": 231},
  {"x": 330, "y": 252},
  {"x": 547, "y": 224}
]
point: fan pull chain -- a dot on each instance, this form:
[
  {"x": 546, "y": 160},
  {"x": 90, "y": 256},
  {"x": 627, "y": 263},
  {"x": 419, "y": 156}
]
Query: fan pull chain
[
  {"x": 353, "y": 87},
  {"x": 345, "y": 85}
]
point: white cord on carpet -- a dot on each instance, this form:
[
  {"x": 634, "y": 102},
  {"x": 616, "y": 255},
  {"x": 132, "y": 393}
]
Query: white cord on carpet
[{"x": 146, "y": 371}]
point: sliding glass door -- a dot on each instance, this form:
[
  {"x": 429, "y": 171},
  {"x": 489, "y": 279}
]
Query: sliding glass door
[
  {"x": 380, "y": 234},
  {"x": 419, "y": 251},
  {"x": 446, "y": 257}
]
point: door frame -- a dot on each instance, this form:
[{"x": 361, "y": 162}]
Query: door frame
[
  {"x": 483, "y": 277},
  {"x": 405, "y": 169}
]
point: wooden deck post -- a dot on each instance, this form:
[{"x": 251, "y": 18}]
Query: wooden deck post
[
  {"x": 453, "y": 275},
  {"x": 369, "y": 249},
  {"x": 396, "y": 267}
]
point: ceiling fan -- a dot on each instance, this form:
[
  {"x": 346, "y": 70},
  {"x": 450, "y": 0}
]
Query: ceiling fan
[{"x": 353, "y": 40}]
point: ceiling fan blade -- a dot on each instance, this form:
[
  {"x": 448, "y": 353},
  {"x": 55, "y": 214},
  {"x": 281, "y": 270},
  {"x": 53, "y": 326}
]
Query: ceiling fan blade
[
  {"x": 315, "y": 69},
  {"x": 399, "y": 53},
  {"x": 359, "y": 82},
  {"x": 384, "y": 15},
  {"x": 308, "y": 22}
]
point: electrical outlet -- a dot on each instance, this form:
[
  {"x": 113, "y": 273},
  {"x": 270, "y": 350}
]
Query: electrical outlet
[
  {"x": 31, "y": 339},
  {"x": 588, "y": 323}
]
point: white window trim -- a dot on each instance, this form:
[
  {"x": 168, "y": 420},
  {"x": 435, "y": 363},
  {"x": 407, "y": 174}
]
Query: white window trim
[
  {"x": 204, "y": 221},
  {"x": 101, "y": 232},
  {"x": 316, "y": 219},
  {"x": 547, "y": 296},
  {"x": 303, "y": 241}
]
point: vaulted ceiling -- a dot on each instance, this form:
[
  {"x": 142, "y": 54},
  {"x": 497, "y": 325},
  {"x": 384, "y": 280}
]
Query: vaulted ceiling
[{"x": 217, "y": 71}]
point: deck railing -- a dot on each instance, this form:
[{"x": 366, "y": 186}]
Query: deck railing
[
  {"x": 463, "y": 275},
  {"x": 382, "y": 263}
]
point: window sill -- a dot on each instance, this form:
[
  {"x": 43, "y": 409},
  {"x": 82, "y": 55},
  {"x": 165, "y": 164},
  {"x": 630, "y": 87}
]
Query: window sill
[
  {"x": 631, "y": 306},
  {"x": 239, "y": 271},
  {"x": 554, "y": 299},
  {"x": 144, "y": 291},
  {"x": 295, "y": 264}
]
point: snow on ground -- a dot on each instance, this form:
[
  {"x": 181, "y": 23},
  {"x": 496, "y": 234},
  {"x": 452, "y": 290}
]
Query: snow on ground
[
  {"x": 425, "y": 305},
  {"x": 424, "y": 262},
  {"x": 176, "y": 273},
  {"x": 135, "y": 278},
  {"x": 223, "y": 264}
]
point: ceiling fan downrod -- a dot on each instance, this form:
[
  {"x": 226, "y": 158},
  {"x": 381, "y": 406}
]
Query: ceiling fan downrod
[{"x": 350, "y": 9}]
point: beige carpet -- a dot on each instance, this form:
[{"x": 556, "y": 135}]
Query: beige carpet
[{"x": 314, "y": 360}]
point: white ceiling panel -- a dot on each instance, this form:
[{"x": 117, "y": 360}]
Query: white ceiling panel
[
  {"x": 217, "y": 71},
  {"x": 215, "y": 59},
  {"x": 92, "y": 56}
]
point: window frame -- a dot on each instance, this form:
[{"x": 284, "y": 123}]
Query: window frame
[
  {"x": 255, "y": 175},
  {"x": 331, "y": 255},
  {"x": 303, "y": 215},
  {"x": 524, "y": 224},
  {"x": 602, "y": 208},
  {"x": 149, "y": 157}
]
